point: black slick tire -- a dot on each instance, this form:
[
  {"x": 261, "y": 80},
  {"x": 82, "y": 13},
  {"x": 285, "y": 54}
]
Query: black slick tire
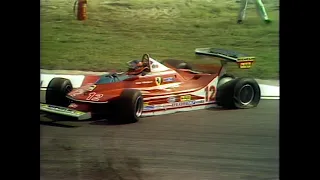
[
  {"x": 129, "y": 106},
  {"x": 57, "y": 90},
  {"x": 240, "y": 93}
]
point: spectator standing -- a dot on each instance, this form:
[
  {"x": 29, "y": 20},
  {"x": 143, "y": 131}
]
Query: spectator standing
[{"x": 260, "y": 8}]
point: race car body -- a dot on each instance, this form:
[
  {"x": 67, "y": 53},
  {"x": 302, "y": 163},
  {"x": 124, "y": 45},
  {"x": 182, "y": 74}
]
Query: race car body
[{"x": 153, "y": 88}]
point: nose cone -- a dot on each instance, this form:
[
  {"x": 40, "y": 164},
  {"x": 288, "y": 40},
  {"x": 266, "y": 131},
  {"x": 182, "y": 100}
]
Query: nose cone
[
  {"x": 82, "y": 91},
  {"x": 90, "y": 93}
]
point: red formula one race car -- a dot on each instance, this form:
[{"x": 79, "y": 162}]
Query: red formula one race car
[{"x": 153, "y": 88}]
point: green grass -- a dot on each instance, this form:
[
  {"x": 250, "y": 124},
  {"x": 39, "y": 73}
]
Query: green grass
[{"x": 121, "y": 30}]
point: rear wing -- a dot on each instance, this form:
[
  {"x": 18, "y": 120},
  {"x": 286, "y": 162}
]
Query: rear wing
[{"x": 244, "y": 61}]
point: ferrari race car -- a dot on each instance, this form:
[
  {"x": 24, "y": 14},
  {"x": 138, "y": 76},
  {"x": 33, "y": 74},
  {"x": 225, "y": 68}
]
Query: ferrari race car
[{"x": 150, "y": 87}]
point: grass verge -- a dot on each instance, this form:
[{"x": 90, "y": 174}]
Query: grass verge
[{"x": 121, "y": 30}]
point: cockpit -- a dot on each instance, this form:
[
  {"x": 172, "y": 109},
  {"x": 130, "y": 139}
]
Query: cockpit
[
  {"x": 112, "y": 78},
  {"x": 139, "y": 66},
  {"x": 145, "y": 65}
]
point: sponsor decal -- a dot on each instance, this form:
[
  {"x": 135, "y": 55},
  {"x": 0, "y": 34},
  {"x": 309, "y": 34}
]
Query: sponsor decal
[
  {"x": 168, "y": 79},
  {"x": 159, "y": 106},
  {"x": 246, "y": 58},
  {"x": 155, "y": 107},
  {"x": 91, "y": 88},
  {"x": 171, "y": 99},
  {"x": 154, "y": 66},
  {"x": 200, "y": 101},
  {"x": 148, "y": 108},
  {"x": 171, "y": 88},
  {"x": 188, "y": 103},
  {"x": 174, "y": 86},
  {"x": 66, "y": 110},
  {"x": 185, "y": 98},
  {"x": 144, "y": 82},
  {"x": 245, "y": 65},
  {"x": 185, "y": 103},
  {"x": 162, "y": 106},
  {"x": 158, "y": 80}
]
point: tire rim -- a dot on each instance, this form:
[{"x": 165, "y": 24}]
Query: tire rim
[
  {"x": 139, "y": 106},
  {"x": 68, "y": 89},
  {"x": 246, "y": 94}
]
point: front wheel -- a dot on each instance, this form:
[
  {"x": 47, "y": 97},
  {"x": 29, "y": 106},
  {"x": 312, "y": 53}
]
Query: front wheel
[
  {"x": 57, "y": 90},
  {"x": 129, "y": 106}
]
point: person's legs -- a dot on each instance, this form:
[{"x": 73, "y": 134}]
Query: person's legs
[
  {"x": 242, "y": 12},
  {"x": 262, "y": 11}
]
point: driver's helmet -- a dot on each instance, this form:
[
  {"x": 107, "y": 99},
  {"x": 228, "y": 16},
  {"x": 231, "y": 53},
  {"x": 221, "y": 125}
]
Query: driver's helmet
[
  {"x": 133, "y": 64},
  {"x": 140, "y": 64}
]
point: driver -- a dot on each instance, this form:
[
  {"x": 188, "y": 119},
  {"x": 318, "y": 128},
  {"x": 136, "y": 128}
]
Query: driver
[
  {"x": 137, "y": 66},
  {"x": 142, "y": 64}
]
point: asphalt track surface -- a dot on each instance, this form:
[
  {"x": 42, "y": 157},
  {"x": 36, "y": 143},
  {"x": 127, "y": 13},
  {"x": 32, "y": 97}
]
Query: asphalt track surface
[{"x": 200, "y": 145}]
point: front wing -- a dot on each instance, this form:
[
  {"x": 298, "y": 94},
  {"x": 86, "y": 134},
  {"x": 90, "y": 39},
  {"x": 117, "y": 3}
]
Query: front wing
[{"x": 65, "y": 111}]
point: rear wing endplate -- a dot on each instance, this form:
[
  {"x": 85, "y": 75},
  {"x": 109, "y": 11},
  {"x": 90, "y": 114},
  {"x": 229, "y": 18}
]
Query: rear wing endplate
[{"x": 244, "y": 61}]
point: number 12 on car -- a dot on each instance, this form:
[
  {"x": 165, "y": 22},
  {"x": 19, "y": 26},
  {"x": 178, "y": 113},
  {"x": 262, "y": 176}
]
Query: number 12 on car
[
  {"x": 94, "y": 96},
  {"x": 210, "y": 92}
]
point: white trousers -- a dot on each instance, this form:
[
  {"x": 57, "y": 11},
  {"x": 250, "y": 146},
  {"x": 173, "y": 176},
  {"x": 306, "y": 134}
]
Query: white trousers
[{"x": 259, "y": 6}]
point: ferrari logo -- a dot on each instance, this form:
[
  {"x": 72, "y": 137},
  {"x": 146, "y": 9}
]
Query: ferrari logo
[{"x": 159, "y": 81}]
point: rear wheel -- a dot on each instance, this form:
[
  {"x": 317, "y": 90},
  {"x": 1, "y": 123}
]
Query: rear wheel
[
  {"x": 178, "y": 64},
  {"x": 224, "y": 79},
  {"x": 242, "y": 93},
  {"x": 57, "y": 90},
  {"x": 247, "y": 93}
]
